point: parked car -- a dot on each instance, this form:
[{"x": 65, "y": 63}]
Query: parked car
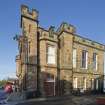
[{"x": 8, "y": 88}]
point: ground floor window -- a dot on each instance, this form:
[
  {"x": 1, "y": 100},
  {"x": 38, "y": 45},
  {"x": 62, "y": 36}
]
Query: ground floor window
[
  {"x": 84, "y": 83},
  {"x": 104, "y": 85},
  {"x": 75, "y": 81},
  {"x": 97, "y": 82},
  {"x": 92, "y": 84}
]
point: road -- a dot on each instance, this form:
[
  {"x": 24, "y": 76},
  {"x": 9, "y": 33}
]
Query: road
[
  {"x": 3, "y": 97},
  {"x": 73, "y": 100},
  {"x": 64, "y": 100}
]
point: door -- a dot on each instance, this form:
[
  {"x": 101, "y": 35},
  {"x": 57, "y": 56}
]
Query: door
[{"x": 49, "y": 85}]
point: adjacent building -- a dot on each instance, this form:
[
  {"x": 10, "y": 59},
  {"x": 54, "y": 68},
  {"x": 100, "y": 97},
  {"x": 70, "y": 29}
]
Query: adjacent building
[{"x": 57, "y": 62}]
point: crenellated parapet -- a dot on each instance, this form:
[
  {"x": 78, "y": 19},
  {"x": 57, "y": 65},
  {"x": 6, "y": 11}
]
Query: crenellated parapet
[
  {"x": 48, "y": 34},
  {"x": 88, "y": 42},
  {"x": 29, "y": 14},
  {"x": 65, "y": 27}
]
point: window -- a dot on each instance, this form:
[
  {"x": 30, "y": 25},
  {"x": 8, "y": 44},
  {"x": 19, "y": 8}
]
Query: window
[
  {"x": 75, "y": 81},
  {"x": 61, "y": 42},
  {"x": 25, "y": 50},
  {"x": 49, "y": 77},
  {"x": 92, "y": 84},
  {"x": 84, "y": 83},
  {"x": 29, "y": 28},
  {"x": 97, "y": 81},
  {"x": 84, "y": 59},
  {"x": 29, "y": 47},
  {"x": 20, "y": 47},
  {"x": 74, "y": 58},
  {"x": 17, "y": 67},
  {"x": 95, "y": 64},
  {"x": 51, "y": 55}
]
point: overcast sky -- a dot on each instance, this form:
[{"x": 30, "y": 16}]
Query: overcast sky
[{"x": 88, "y": 16}]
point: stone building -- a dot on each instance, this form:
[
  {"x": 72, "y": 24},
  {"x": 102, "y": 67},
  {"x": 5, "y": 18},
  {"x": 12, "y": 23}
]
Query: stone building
[{"x": 57, "y": 62}]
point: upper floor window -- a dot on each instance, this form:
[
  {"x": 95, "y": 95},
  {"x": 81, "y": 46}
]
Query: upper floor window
[
  {"x": 51, "y": 55},
  {"x": 95, "y": 64},
  {"x": 20, "y": 47},
  {"x": 74, "y": 58},
  {"x": 17, "y": 67},
  {"x": 28, "y": 47},
  {"x": 84, "y": 59},
  {"x": 30, "y": 28}
]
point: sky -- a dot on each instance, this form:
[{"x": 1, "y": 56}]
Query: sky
[{"x": 88, "y": 16}]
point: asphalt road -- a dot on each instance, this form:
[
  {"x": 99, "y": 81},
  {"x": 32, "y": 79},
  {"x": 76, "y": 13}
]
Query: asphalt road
[
  {"x": 3, "y": 96},
  {"x": 74, "y": 100},
  {"x": 48, "y": 103}
]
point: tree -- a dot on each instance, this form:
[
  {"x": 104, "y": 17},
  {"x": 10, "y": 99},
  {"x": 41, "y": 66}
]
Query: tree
[{"x": 2, "y": 82}]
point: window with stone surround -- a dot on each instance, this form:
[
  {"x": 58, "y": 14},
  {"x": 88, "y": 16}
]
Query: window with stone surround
[
  {"x": 92, "y": 84},
  {"x": 29, "y": 45},
  {"x": 74, "y": 57},
  {"x": 75, "y": 83},
  {"x": 51, "y": 56},
  {"x": 30, "y": 28},
  {"x": 97, "y": 82},
  {"x": 84, "y": 83},
  {"x": 84, "y": 59},
  {"x": 95, "y": 64}
]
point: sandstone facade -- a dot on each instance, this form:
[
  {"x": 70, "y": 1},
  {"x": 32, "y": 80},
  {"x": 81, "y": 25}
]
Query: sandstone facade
[{"x": 46, "y": 61}]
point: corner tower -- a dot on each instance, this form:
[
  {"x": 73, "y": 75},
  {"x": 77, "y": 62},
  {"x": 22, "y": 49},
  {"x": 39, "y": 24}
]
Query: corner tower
[
  {"x": 65, "y": 35},
  {"x": 29, "y": 25}
]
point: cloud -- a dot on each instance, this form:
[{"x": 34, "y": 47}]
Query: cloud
[{"x": 7, "y": 75}]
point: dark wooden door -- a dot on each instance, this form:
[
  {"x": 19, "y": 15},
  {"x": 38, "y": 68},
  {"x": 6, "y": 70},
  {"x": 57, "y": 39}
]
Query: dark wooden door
[
  {"x": 49, "y": 84},
  {"x": 49, "y": 88}
]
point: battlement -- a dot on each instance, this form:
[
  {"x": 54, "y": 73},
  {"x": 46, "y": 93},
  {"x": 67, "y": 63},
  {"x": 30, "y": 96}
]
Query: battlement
[
  {"x": 33, "y": 14},
  {"x": 67, "y": 28}
]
